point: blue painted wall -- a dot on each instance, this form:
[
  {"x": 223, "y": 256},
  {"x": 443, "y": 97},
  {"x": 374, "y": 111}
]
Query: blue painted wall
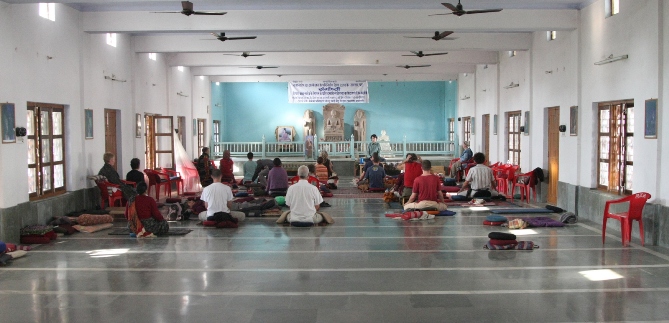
[{"x": 419, "y": 110}]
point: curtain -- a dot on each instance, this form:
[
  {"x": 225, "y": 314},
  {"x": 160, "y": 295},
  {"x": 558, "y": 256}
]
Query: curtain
[{"x": 185, "y": 166}]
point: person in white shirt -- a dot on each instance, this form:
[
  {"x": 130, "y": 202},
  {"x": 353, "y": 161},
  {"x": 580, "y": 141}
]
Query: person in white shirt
[
  {"x": 304, "y": 200},
  {"x": 218, "y": 197},
  {"x": 480, "y": 180}
]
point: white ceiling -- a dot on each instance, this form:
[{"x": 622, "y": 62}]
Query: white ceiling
[{"x": 328, "y": 39}]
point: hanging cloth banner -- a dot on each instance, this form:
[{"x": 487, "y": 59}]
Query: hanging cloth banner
[{"x": 328, "y": 92}]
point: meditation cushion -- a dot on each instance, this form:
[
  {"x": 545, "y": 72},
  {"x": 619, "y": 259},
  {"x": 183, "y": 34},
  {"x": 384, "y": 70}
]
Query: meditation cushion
[
  {"x": 209, "y": 223},
  {"x": 3, "y": 247},
  {"x": 493, "y": 223},
  {"x": 497, "y": 242},
  {"x": 242, "y": 194},
  {"x": 280, "y": 200},
  {"x": 433, "y": 212},
  {"x": 327, "y": 194},
  {"x": 450, "y": 189},
  {"x": 446, "y": 213},
  {"x": 93, "y": 219},
  {"x": 459, "y": 198},
  {"x": 501, "y": 236},
  {"x": 11, "y": 247},
  {"x": 227, "y": 224},
  {"x": 35, "y": 239},
  {"x": 301, "y": 224},
  {"x": 496, "y": 218}
]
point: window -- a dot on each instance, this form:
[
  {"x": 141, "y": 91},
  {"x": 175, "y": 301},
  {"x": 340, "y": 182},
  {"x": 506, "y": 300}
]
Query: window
[
  {"x": 466, "y": 129},
  {"x": 513, "y": 134},
  {"x": 217, "y": 136},
  {"x": 616, "y": 147},
  {"x": 611, "y": 7},
  {"x": 551, "y": 35},
  {"x": 111, "y": 39},
  {"x": 451, "y": 134},
  {"x": 152, "y": 56},
  {"x": 200, "y": 133},
  {"x": 46, "y": 149},
  {"x": 48, "y": 11}
]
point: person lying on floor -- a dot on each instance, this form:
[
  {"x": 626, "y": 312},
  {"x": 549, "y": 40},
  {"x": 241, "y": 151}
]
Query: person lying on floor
[
  {"x": 480, "y": 180},
  {"x": 147, "y": 212},
  {"x": 426, "y": 191},
  {"x": 304, "y": 201},
  {"x": 217, "y": 199}
]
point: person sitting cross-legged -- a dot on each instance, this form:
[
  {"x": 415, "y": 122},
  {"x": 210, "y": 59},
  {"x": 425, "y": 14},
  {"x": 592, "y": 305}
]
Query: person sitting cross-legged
[
  {"x": 148, "y": 213},
  {"x": 375, "y": 174},
  {"x": 304, "y": 201},
  {"x": 425, "y": 191},
  {"x": 217, "y": 199},
  {"x": 277, "y": 179},
  {"x": 480, "y": 180}
]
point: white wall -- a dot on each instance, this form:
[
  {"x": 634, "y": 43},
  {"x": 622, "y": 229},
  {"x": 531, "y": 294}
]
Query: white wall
[
  {"x": 663, "y": 117},
  {"x": 487, "y": 103},
  {"x": 201, "y": 109},
  {"x": 517, "y": 70},
  {"x": 634, "y": 31},
  {"x": 74, "y": 77},
  {"x": 558, "y": 88},
  {"x": 466, "y": 108}
]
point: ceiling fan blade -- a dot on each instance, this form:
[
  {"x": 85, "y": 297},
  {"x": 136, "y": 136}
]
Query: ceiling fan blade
[
  {"x": 421, "y": 66},
  {"x": 449, "y": 6},
  {"x": 444, "y": 34},
  {"x": 270, "y": 67},
  {"x": 417, "y": 53},
  {"x": 207, "y": 13},
  {"x": 255, "y": 55},
  {"x": 165, "y": 11},
  {"x": 482, "y": 11},
  {"x": 415, "y": 37},
  {"x": 408, "y": 55},
  {"x": 440, "y": 14},
  {"x": 238, "y": 38},
  {"x": 435, "y": 54},
  {"x": 187, "y": 5}
]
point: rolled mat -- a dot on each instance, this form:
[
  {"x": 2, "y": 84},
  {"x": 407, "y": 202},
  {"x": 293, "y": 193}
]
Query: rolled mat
[{"x": 501, "y": 236}]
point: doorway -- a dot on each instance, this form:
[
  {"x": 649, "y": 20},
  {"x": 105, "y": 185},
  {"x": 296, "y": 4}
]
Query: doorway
[
  {"x": 111, "y": 134},
  {"x": 553, "y": 154},
  {"x": 485, "y": 131}
]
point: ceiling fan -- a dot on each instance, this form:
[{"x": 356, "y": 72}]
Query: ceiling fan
[
  {"x": 245, "y": 54},
  {"x": 459, "y": 11},
  {"x": 421, "y": 54},
  {"x": 259, "y": 67},
  {"x": 412, "y": 66},
  {"x": 187, "y": 7},
  {"x": 437, "y": 36},
  {"x": 222, "y": 37}
]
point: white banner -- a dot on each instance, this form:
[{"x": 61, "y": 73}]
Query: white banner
[{"x": 328, "y": 92}]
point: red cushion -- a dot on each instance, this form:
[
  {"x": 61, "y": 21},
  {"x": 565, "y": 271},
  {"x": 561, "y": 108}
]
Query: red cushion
[
  {"x": 496, "y": 242},
  {"x": 450, "y": 189},
  {"x": 486, "y": 222},
  {"x": 377, "y": 189},
  {"x": 209, "y": 223},
  {"x": 35, "y": 239},
  {"x": 327, "y": 195}
]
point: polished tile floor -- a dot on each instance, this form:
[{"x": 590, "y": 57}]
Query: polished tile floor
[{"x": 364, "y": 268}]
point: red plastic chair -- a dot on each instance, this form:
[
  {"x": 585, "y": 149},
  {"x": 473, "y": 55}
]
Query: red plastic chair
[
  {"x": 174, "y": 176},
  {"x": 525, "y": 188},
  {"x": 634, "y": 213},
  {"x": 505, "y": 174},
  {"x": 157, "y": 181},
  {"x": 110, "y": 199}
]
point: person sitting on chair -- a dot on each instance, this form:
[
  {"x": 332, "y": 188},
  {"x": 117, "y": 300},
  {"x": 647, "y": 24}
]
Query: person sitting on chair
[
  {"x": 480, "y": 180},
  {"x": 277, "y": 179},
  {"x": 375, "y": 174},
  {"x": 464, "y": 159},
  {"x": 134, "y": 175},
  {"x": 148, "y": 213},
  {"x": 426, "y": 191},
  {"x": 227, "y": 165},
  {"x": 112, "y": 176}
]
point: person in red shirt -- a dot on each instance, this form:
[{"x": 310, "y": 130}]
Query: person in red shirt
[
  {"x": 147, "y": 212},
  {"x": 412, "y": 169},
  {"x": 426, "y": 192},
  {"x": 226, "y": 166}
]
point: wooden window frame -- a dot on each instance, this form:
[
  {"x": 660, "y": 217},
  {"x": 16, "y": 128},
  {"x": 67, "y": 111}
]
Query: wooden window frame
[
  {"x": 620, "y": 114},
  {"x": 451, "y": 133},
  {"x": 467, "y": 129},
  {"x": 513, "y": 135},
  {"x": 201, "y": 129},
  {"x": 38, "y": 137},
  {"x": 216, "y": 135}
]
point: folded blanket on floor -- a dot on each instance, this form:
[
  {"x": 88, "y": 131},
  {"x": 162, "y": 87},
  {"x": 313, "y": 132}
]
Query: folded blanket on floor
[
  {"x": 93, "y": 219},
  {"x": 36, "y": 229},
  {"x": 93, "y": 228},
  {"x": 417, "y": 216},
  {"x": 543, "y": 222},
  {"x": 497, "y": 242},
  {"x": 17, "y": 254},
  {"x": 78, "y": 213}
]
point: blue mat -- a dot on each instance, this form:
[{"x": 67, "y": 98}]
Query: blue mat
[
  {"x": 522, "y": 210},
  {"x": 446, "y": 213}
]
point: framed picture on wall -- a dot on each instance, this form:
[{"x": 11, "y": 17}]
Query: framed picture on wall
[
  {"x": 650, "y": 123},
  {"x": 88, "y": 124},
  {"x": 8, "y": 123},
  {"x": 285, "y": 133},
  {"x": 527, "y": 123},
  {"x": 138, "y": 125},
  {"x": 494, "y": 124},
  {"x": 573, "y": 121}
]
